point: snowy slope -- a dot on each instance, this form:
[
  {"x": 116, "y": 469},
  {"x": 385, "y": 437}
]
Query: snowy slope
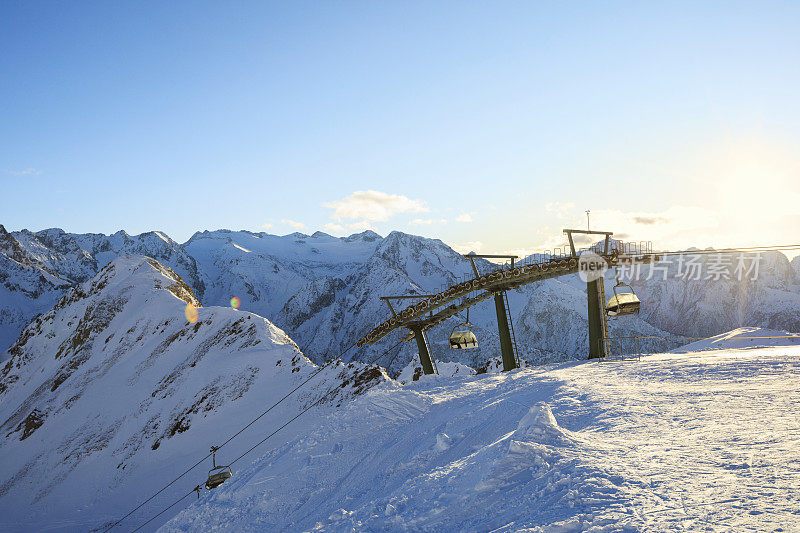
[
  {"x": 112, "y": 392},
  {"x": 744, "y": 338},
  {"x": 705, "y": 440}
]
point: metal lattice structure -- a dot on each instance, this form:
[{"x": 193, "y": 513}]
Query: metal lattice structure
[{"x": 428, "y": 310}]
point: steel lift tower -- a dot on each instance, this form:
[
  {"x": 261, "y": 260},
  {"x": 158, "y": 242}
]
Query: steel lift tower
[{"x": 428, "y": 310}]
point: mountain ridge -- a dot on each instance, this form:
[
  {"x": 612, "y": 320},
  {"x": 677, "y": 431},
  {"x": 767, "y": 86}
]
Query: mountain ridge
[
  {"x": 114, "y": 388},
  {"x": 326, "y": 289}
]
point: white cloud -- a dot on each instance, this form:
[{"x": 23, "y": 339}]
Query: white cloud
[
  {"x": 266, "y": 225},
  {"x": 467, "y": 247},
  {"x": 360, "y": 225},
  {"x": 373, "y": 206},
  {"x": 332, "y": 226},
  {"x": 24, "y": 172},
  {"x": 427, "y": 221},
  {"x": 293, "y": 223},
  {"x": 464, "y": 217},
  {"x": 665, "y": 228},
  {"x": 561, "y": 209}
]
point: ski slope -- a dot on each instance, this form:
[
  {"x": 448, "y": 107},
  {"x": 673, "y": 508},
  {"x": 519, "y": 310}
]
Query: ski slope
[{"x": 699, "y": 440}]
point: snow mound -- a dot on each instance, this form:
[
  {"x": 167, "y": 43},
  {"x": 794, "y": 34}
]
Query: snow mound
[
  {"x": 538, "y": 422},
  {"x": 743, "y": 338},
  {"x": 447, "y": 369}
]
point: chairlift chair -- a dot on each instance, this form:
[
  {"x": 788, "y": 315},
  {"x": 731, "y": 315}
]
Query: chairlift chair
[
  {"x": 218, "y": 474},
  {"x": 463, "y": 339},
  {"x": 625, "y": 303}
]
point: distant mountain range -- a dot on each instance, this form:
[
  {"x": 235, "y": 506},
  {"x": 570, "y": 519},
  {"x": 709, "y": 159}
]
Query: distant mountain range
[{"x": 324, "y": 291}]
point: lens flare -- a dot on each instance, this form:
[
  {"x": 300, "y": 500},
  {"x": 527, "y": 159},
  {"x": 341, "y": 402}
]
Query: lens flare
[
  {"x": 191, "y": 313},
  {"x": 235, "y": 302}
]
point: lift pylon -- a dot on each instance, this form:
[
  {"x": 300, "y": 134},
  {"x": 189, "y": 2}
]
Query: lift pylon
[
  {"x": 506, "y": 343},
  {"x": 595, "y": 296},
  {"x": 429, "y": 310},
  {"x": 425, "y": 358},
  {"x": 504, "y": 328}
]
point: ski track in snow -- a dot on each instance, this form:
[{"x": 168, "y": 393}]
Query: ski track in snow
[{"x": 706, "y": 440}]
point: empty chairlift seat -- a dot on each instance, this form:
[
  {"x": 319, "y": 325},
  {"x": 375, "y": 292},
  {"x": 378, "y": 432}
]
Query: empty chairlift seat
[
  {"x": 623, "y": 303},
  {"x": 218, "y": 474},
  {"x": 462, "y": 340}
]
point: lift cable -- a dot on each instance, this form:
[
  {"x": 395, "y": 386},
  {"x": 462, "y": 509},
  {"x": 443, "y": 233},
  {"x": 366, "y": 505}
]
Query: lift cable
[
  {"x": 319, "y": 401},
  {"x": 312, "y": 376},
  {"x": 393, "y": 358},
  {"x": 162, "y": 489},
  {"x": 164, "y": 510},
  {"x": 262, "y": 441}
]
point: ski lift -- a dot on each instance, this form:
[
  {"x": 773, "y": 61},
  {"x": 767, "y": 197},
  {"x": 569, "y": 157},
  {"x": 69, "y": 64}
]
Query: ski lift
[
  {"x": 464, "y": 339},
  {"x": 218, "y": 474},
  {"x": 625, "y": 303}
]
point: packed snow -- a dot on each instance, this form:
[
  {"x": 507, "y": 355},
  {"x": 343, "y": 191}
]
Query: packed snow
[
  {"x": 699, "y": 440},
  {"x": 743, "y": 338}
]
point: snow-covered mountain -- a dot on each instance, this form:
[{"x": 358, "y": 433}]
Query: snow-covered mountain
[
  {"x": 712, "y": 297},
  {"x": 27, "y": 287},
  {"x": 114, "y": 392},
  {"x": 325, "y": 290},
  {"x": 36, "y": 268}
]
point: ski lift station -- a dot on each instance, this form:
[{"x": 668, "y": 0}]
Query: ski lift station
[{"x": 428, "y": 310}]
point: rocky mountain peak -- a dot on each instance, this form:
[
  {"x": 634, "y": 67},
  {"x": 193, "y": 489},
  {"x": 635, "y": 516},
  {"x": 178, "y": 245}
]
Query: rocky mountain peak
[
  {"x": 366, "y": 235},
  {"x": 10, "y": 247}
]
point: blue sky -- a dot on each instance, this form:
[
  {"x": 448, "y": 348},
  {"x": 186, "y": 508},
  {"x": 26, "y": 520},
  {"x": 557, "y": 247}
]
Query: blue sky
[{"x": 489, "y": 125}]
